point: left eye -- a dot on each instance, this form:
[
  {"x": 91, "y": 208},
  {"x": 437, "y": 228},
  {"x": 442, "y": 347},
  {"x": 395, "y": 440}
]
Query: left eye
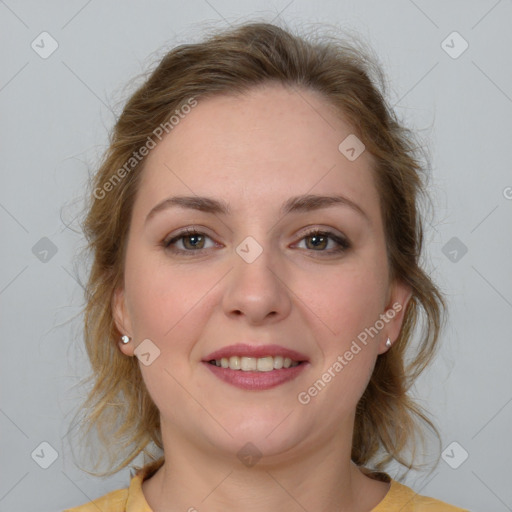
[
  {"x": 320, "y": 240},
  {"x": 196, "y": 239}
]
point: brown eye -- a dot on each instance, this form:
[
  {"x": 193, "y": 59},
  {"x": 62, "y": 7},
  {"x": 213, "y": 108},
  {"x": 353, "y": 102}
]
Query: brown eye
[
  {"x": 190, "y": 240},
  {"x": 318, "y": 241},
  {"x": 193, "y": 241}
]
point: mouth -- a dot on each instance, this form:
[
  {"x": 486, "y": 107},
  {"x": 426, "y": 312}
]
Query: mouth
[
  {"x": 255, "y": 364},
  {"x": 256, "y": 367}
]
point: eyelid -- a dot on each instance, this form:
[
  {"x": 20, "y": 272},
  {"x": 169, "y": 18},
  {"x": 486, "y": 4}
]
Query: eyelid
[
  {"x": 315, "y": 228},
  {"x": 184, "y": 232}
]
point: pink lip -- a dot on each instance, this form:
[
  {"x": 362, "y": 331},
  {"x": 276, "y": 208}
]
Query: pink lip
[
  {"x": 244, "y": 350},
  {"x": 256, "y": 381}
]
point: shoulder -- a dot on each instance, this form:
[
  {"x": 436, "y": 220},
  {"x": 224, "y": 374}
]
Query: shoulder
[
  {"x": 400, "y": 496},
  {"x": 114, "y": 501}
]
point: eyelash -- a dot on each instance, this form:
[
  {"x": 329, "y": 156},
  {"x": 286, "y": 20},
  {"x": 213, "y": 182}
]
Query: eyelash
[{"x": 343, "y": 244}]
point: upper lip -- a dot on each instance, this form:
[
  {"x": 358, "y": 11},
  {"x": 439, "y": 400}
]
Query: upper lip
[{"x": 244, "y": 350}]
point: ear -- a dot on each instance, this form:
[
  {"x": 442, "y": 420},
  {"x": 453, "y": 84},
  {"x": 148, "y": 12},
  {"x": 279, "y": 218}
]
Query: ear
[
  {"x": 398, "y": 300},
  {"x": 122, "y": 320}
]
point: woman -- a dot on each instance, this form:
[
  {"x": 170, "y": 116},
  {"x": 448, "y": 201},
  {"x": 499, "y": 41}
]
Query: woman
[{"x": 255, "y": 283}]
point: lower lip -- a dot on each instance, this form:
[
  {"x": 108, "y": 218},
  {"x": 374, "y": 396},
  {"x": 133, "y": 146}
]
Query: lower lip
[{"x": 257, "y": 381}]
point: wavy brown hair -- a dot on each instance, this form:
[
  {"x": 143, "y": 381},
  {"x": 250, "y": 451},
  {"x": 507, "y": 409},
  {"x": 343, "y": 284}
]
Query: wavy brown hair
[{"x": 232, "y": 61}]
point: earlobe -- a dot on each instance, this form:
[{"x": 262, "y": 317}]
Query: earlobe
[
  {"x": 122, "y": 322},
  {"x": 395, "y": 311}
]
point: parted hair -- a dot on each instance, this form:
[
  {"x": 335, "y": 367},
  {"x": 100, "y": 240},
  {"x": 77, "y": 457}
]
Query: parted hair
[{"x": 118, "y": 407}]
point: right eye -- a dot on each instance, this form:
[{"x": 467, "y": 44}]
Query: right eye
[{"x": 191, "y": 240}]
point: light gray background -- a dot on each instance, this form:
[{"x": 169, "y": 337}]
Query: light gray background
[{"x": 55, "y": 116}]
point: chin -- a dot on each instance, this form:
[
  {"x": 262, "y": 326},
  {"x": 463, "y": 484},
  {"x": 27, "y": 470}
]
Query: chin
[{"x": 264, "y": 434}]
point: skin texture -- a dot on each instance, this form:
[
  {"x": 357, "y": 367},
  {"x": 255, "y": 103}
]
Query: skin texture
[{"x": 255, "y": 151}]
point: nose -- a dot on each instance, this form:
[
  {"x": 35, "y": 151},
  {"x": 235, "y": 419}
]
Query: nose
[{"x": 257, "y": 290}]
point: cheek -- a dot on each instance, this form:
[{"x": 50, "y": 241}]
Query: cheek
[
  {"x": 346, "y": 301},
  {"x": 168, "y": 306},
  {"x": 345, "y": 304},
  {"x": 162, "y": 298}
]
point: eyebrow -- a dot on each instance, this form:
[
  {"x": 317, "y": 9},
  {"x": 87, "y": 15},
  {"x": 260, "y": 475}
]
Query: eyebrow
[{"x": 297, "y": 204}]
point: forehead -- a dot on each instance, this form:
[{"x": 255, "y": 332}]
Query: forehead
[{"x": 268, "y": 143}]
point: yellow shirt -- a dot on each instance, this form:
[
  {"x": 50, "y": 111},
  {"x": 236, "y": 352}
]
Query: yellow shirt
[{"x": 399, "y": 498}]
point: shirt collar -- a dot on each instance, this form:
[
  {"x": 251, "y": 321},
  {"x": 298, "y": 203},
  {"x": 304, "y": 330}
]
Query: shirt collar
[{"x": 136, "y": 502}]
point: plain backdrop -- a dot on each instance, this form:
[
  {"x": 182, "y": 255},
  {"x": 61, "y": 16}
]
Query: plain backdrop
[{"x": 56, "y": 110}]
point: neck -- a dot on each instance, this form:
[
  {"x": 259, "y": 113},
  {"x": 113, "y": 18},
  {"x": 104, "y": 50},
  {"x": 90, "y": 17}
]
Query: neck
[{"x": 319, "y": 478}]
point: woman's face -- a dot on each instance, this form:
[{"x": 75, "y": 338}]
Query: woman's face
[{"x": 255, "y": 275}]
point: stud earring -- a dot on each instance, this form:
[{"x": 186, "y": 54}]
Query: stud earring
[
  {"x": 388, "y": 343},
  {"x": 125, "y": 339}
]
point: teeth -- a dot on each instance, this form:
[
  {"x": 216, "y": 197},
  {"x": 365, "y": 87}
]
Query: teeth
[
  {"x": 248, "y": 364},
  {"x": 259, "y": 364},
  {"x": 265, "y": 364},
  {"x": 278, "y": 362}
]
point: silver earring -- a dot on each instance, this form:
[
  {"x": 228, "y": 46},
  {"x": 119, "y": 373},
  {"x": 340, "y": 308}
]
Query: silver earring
[
  {"x": 125, "y": 339},
  {"x": 388, "y": 343}
]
